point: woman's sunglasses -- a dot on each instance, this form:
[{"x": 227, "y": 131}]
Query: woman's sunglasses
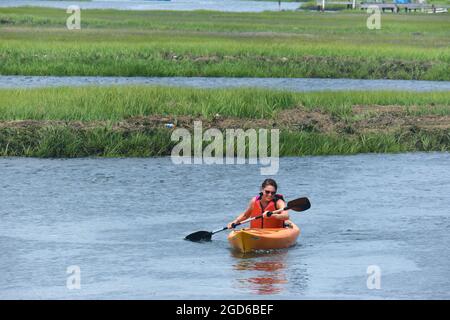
[{"x": 270, "y": 192}]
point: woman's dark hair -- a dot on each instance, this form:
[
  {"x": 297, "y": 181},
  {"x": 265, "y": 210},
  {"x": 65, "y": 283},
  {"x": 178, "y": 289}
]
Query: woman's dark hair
[{"x": 269, "y": 182}]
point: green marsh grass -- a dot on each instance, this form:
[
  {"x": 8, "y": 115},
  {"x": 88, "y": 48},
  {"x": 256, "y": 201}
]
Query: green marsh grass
[
  {"x": 34, "y": 41},
  {"x": 121, "y": 102},
  {"x": 102, "y": 107},
  {"x": 65, "y": 142}
]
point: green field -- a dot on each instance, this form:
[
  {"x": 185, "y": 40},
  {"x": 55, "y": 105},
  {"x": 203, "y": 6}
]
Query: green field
[
  {"x": 121, "y": 102},
  {"x": 34, "y": 41},
  {"x": 130, "y": 121}
]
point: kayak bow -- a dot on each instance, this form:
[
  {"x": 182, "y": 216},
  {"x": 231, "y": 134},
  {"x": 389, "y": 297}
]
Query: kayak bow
[{"x": 247, "y": 240}]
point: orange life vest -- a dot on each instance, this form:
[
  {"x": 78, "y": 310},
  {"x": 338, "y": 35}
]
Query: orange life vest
[{"x": 258, "y": 210}]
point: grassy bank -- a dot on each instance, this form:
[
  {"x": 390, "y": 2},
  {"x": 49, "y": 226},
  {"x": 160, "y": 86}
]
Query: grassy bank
[
  {"x": 122, "y": 102},
  {"x": 130, "y": 121},
  {"x": 67, "y": 142},
  {"x": 34, "y": 41}
]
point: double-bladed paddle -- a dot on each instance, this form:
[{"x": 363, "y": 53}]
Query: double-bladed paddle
[{"x": 300, "y": 204}]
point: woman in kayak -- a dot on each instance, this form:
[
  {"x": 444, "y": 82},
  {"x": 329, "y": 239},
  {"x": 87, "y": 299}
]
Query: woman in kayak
[{"x": 267, "y": 201}]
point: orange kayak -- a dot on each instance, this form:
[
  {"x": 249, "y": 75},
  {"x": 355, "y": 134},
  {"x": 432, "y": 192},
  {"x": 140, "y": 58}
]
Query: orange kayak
[{"x": 247, "y": 240}]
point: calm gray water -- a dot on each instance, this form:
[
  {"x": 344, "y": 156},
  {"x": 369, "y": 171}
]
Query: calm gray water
[
  {"x": 216, "y": 5},
  {"x": 122, "y": 221},
  {"x": 292, "y": 84}
]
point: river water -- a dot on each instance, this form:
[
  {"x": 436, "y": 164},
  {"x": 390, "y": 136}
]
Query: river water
[
  {"x": 122, "y": 222},
  {"x": 291, "y": 84},
  {"x": 185, "y": 5}
]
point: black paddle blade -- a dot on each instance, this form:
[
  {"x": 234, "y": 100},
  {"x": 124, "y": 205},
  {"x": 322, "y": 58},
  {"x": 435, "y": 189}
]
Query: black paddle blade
[
  {"x": 300, "y": 204},
  {"x": 199, "y": 236}
]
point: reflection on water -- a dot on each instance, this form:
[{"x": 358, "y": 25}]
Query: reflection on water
[{"x": 261, "y": 273}]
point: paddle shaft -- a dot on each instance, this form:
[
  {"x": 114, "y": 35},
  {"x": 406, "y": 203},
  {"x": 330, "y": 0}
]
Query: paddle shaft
[{"x": 249, "y": 219}]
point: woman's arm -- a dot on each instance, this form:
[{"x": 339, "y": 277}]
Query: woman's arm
[
  {"x": 283, "y": 215},
  {"x": 245, "y": 215}
]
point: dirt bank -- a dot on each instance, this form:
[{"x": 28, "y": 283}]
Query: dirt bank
[{"x": 364, "y": 119}]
